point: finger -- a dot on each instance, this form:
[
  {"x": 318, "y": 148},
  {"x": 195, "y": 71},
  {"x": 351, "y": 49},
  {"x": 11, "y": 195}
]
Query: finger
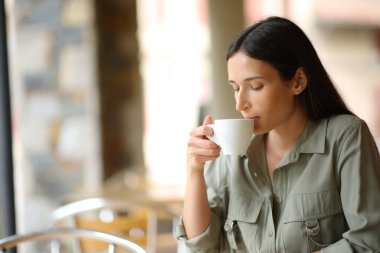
[
  {"x": 202, "y": 143},
  {"x": 207, "y": 130},
  {"x": 203, "y": 130},
  {"x": 203, "y": 154},
  {"x": 208, "y": 120}
]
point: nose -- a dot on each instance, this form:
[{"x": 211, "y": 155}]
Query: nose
[{"x": 242, "y": 101}]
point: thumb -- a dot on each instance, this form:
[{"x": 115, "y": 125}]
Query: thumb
[{"x": 208, "y": 120}]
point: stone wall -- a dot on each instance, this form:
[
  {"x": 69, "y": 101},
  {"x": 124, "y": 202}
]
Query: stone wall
[
  {"x": 55, "y": 104},
  {"x": 76, "y": 98}
]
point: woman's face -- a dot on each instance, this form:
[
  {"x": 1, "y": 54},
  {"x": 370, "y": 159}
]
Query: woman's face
[{"x": 260, "y": 93}]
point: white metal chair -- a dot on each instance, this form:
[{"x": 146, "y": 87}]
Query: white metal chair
[
  {"x": 53, "y": 236},
  {"x": 135, "y": 221}
]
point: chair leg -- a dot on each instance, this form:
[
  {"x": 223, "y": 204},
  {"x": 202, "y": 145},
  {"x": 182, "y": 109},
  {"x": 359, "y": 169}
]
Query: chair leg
[
  {"x": 111, "y": 248},
  {"x": 152, "y": 231},
  {"x": 55, "y": 246}
]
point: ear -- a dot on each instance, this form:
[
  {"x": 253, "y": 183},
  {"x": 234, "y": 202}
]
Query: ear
[{"x": 299, "y": 81}]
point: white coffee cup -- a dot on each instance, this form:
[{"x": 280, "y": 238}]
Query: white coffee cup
[{"x": 232, "y": 135}]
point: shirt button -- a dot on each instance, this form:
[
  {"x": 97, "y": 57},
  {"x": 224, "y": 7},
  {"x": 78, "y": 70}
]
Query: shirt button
[
  {"x": 278, "y": 200},
  {"x": 255, "y": 174},
  {"x": 270, "y": 234}
]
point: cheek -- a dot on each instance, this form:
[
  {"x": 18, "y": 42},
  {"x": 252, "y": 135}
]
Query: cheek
[
  {"x": 279, "y": 102},
  {"x": 268, "y": 101}
]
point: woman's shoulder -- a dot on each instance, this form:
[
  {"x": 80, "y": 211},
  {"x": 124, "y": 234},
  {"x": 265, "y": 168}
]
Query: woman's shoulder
[
  {"x": 344, "y": 121},
  {"x": 343, "y": 124}
]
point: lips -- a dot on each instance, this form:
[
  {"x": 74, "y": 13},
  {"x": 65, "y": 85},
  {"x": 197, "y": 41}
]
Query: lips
[{"x": 254, "y": 118}]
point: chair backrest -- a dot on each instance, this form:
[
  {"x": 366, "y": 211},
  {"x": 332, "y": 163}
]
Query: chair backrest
[
  {"x": 74, "y": 233},
  {"x": 131, "y": 220}
]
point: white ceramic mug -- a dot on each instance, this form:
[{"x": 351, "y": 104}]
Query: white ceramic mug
[{"x": 232, "y": 135}]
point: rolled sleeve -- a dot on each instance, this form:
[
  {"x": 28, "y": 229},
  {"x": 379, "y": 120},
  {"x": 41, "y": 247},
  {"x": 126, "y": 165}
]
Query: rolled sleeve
[
  {"x": 340, "y": 246},
  {"x": 204, "y": 242}
]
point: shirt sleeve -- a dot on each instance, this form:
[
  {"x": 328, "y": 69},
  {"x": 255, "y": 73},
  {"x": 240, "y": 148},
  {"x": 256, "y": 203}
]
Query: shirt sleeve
[
  {"x": 211, "y": 239},
  {"x": 204, "y": 242},
  {"x": 359, "y": 173}
]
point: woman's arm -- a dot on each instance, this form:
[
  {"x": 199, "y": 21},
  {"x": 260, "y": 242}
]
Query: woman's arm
[
  {"x": 359, "y": 173},
  {"x": 197, "y": 214}
]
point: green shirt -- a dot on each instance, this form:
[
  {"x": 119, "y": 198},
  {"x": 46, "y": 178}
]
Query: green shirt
[{"x": 325, "y": 195}]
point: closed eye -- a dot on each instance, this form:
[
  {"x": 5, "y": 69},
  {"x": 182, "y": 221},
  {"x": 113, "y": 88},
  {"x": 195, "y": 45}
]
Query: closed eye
[
  {"x": 235, "y": 87},
  {"x": 257, "y": 88}
]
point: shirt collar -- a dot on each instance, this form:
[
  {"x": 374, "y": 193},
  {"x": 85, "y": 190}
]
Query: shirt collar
[
  {"x": 312, "y": 140},
  {"x": 257, "y": 143}
]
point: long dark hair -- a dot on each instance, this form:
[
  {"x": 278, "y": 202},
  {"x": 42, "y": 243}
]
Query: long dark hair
[{"x": 281, "y": 43}]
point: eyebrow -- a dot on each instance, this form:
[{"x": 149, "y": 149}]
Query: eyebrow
[{"x": 248, "y": 79}]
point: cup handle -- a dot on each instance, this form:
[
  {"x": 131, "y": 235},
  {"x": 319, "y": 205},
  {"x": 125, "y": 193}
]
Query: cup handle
[{"x": 212, "y": 137}]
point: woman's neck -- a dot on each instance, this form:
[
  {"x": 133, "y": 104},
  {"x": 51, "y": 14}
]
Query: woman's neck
[{"x": 281, "y": 139}]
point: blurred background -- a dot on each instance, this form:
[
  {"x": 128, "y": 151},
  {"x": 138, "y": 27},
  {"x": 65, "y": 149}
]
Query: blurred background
[{"x": 104, "y": 93}]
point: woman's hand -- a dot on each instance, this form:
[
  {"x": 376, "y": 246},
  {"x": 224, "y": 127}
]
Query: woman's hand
[{"x": 200, "y": 149}]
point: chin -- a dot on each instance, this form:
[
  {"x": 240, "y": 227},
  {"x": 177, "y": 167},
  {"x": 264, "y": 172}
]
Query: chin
[{"x": 259, "y": 130}]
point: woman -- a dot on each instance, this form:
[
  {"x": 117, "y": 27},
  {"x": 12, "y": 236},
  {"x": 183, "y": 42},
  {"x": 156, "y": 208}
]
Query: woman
[{"x": 310, "y": 180}]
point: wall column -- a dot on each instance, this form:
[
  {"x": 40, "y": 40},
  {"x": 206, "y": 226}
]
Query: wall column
[
  {"x": 120, "y": 86},
  {"x": 226, "y": 20}
]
